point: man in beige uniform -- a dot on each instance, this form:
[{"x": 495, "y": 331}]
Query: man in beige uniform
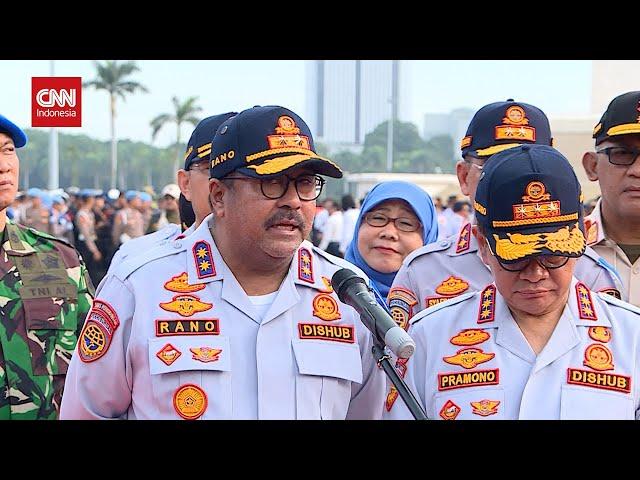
[
  {"x": 613, "y": 228},
  {"x": 450, "y": 267}
]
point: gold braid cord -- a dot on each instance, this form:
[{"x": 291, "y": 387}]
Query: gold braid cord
[{"x": 518, "y": 245}]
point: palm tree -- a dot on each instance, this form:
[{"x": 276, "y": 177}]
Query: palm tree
[
  {"x": 184, "y": 112},
  {"x": 112, "y": 77}
]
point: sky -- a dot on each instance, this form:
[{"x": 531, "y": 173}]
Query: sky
[{"x": 559, "y": 87}]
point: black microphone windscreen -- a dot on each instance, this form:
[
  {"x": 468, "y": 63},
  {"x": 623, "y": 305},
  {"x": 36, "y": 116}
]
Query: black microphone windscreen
[{"x": 343, "y": 277}]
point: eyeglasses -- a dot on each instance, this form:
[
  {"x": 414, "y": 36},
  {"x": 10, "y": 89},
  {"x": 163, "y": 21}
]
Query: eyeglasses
[
  {"x": 405, "y": 224},
  {"x": 479, "y": 166},
  {"x": 202, "y": 166},
  {"x": 308, "y": 187},
  {"x": 621, "y": 155}
]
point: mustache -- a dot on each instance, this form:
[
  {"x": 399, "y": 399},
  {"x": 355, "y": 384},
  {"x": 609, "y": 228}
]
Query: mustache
[{"x": 289, "y": 215}]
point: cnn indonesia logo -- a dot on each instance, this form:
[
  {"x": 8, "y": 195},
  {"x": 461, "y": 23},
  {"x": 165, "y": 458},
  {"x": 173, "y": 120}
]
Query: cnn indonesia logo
[{"x": 56, "y": 101}]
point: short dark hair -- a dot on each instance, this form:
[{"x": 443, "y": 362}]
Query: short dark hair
[
  {"x": 348, "y": 202},
  {"x": 458, "y": 206}
]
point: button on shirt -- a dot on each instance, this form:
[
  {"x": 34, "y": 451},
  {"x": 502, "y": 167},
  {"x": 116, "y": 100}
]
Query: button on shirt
[
  {"x": 473, "y": 362},
  {"x": 309, "y": 357}
]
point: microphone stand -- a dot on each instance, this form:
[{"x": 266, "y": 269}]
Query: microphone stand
[{"x": 383, "y": 360}]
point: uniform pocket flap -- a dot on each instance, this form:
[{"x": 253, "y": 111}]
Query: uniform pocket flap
[
  {"x": 176, "y": 354},
  {"x": 587, "y": 403},
  {"x": 339, "y": 360}
]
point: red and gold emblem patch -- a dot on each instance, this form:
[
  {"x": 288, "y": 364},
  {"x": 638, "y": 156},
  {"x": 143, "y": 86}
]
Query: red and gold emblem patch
[
  {"x": 598, "y": 357},
  {"x": 469, "y": 337},
  {"x": 327, "y": 284},
  {"x": 487, "y": 310},
  {"x": 186, "y": 305},
  {"x": 334, "y": 333},
  {"x": 484, "y": 408},
  {"x": 585, "y": 304},
  {"x": 469, "y": 357},
  {"x": 450, "y": 411},
  {"x": 464, "y": 239},
  {"x": 97, "y": 332},
  {"x": 392, "y": 396},
  {"x": 600, "y": 334},
  {"x": 515, "y": 126},
  {"x": 190, "y": 401},
  {"x": 401, "y": 303},
  {"x": 591, "y": 228},
  {"x": 449, "y": 288},
  {"x": 179, "y": 284},
  {"x": 325, "y": 307},
  {"x": 606, "y": 381},
  {"x": 168, "y": 354},
  {"x": 288, "y": 135},
  {"x": 206, "y": 354},
  {"x": 450, "y": 381}
]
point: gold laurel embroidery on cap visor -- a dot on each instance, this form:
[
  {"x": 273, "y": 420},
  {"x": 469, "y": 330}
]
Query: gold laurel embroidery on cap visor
[
  {"x": 597, "y": 128},
  {"x": 188, "y": 153},
  {"x": 485, "y": 152},
  {"x": 518, "y": 245},
  {"x": 279, "y": 164},
  {"x": 624, "y": 129}
]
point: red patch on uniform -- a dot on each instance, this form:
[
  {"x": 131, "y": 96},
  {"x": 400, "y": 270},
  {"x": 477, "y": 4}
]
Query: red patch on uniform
[
  {"x": 97, "y": 332},
  {"x": 392, "y": 396},
  {"x": 450, "y": 411},
  {"x": 203, "y": 259},
  {"x": 602, "y": 380},
  {"x": 305, "y": 265},
  {"x": 586, "y": 310},
  {"x": 168, "y": 354},
  {"x": 487, "y": 309},
  {"x": 464, "y": 239}
]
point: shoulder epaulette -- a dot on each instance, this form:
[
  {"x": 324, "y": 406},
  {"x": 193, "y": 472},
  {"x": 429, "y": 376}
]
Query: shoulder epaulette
[
  {"x": 438, "y": 246},
  {"x": 133, "y": 263},
  {"x": 447, "y": 303},
  {"x": 610, "y": 299}
]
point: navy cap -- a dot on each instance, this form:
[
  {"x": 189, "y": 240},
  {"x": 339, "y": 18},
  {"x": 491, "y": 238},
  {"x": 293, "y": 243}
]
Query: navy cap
[
  {"x": 502, "y": 125},
  {"x": 622, "y": 117},
  {"x": 529, "y": 202},
  {"x": 187, "y": 215},
  {"x": 199, "y": 146},
  {"x": 15, "y": 132},
  {"x": 264, "y": 142}
]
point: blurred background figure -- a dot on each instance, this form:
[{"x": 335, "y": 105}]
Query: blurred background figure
[
  {"x": 319, "y": 223},
  {"x": 168, "y": 211},
  {"x": 332, "y": 234},
  {"x": 128, "y": 222},
  {"x": 85, "y": 223},
  {"x": 349, "y": 218},
  {"x": 36, "y": 214},
  {"x": 395, "y": 219},
  {"x": 60, "y": 220},
  {"x": 461, "y": 214}
]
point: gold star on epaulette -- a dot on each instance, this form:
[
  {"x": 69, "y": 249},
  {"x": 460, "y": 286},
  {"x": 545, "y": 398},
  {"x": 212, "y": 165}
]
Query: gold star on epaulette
[
  {"x": 462, "y": 243},
  {"x": 202, "y": 252},
  {"x": 485, "y": 314},
  {"x": 204, "y": 265},
  {"x": 582, "y": 290},
  {"x": 306, "y": 270},
  {"x": 587, "y": 310},
  {"x": 487, "y": 303},
  {"x": 488, "y": 294},
  {"x": 305, "y": 258}
]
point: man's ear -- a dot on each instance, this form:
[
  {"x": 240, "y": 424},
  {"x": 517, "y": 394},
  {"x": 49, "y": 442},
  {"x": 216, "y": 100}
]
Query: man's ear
[
  {"x": 184, "y": 182},
  {"x": 482, "y": 244},
  {"x": 462, "y": 171},
  {"x": 589, "y": 163},
  {"x": 218, "y": 196}
]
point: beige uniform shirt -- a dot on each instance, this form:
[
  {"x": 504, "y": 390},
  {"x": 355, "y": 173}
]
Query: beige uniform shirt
[{"x": 613, "y": 254}]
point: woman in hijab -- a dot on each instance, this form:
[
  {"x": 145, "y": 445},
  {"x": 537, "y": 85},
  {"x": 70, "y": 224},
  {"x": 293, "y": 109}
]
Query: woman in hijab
[{"x": 395, "y": 219}]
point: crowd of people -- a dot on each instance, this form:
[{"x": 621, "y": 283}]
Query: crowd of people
[
  {"x": 521, "y": 305},
  {"x": 97, "y": 223}
]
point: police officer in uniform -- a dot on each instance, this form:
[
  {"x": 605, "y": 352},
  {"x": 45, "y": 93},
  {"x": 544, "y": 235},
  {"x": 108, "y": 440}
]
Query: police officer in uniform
[
  {"x": 238, "y": 320},
  {"x": 46, "y": 294},
  {"x": 613, "y": 228},
  {"x": 536, "y": 343},
  {"x": 450, "y": 267},
  {"x": 194, "y": 183}
]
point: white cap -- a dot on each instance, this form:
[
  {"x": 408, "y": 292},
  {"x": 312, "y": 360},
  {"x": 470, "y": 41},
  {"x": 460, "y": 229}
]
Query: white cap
[{"x": 171, "y": 189}]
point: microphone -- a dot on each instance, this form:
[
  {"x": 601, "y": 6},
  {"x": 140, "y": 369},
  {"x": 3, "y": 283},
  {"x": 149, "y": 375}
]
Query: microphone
[{"x": 353, "y": 290}]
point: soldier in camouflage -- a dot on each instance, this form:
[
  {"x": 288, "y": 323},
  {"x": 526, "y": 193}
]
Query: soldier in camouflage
[{"x": 45, "y": 294}]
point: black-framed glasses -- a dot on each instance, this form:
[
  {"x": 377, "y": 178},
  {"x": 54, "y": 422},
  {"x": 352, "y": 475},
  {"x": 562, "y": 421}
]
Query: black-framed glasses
[
  {"x": 550, "y": 262},
  {"x": 405, "y": 224},
  {"x": 201, "y": 166},
  {"x": 308, "y": 187},
  {"x": 621, "y": 155}
]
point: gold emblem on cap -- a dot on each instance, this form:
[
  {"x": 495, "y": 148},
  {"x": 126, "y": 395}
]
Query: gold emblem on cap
[
  {"x": 286, "y": 126},
  {"x": 536, "y": 191},
  {"x": 598, "y": 357},
  {"x": 325, "y": 307},
  {"x": 515, "y": 115},
  {"x": 518, "y": 245},
  {"x": 190, "y": 401}
]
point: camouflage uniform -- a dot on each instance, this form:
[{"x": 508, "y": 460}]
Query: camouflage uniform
[{"x": 45, "y": 294}]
